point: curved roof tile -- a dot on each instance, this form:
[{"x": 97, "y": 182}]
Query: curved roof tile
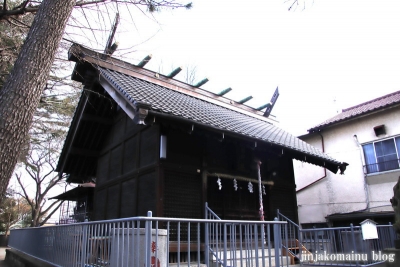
[
  {"x": 165, "y": 100},
  {"x": 361, "y": 109}
]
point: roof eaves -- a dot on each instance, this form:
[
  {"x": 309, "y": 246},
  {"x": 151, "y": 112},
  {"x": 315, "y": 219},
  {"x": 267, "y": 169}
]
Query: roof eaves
[
  {"x": 351, "y": 117},
  {"x": 311, "y": 157},
  {"x": 71, "y": 133},
  {"x": 374, "y": 101}
]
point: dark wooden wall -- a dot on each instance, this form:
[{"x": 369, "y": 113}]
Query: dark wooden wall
[
  {"x": 127, "y": 171},
  {"x": 132, "y": 179},
  {"x": 181, "y": 177},
  {"x": 283, "y": 194},
  {"x": 190, "y": 154}
]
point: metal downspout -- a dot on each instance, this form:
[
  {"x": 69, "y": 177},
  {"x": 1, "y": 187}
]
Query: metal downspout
[{"x": 366, "y": 187}]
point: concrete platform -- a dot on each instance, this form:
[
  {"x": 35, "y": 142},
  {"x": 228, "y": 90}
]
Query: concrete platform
[{"x": 3, "y": 263}]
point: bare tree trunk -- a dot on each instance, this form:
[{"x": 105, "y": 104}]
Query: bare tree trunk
[{"x": 21, "y": 92}]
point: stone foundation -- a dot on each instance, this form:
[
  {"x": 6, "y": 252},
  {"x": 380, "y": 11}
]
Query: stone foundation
[{"x": 16, "y": 258}]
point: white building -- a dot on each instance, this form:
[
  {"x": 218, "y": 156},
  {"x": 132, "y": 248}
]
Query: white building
[{"x": 366, "y": 136}]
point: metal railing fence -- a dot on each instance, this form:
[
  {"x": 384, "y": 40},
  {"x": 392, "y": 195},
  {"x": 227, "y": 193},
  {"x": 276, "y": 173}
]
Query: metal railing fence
[
  {"x": 291, "y": 239},
  {"x": 345, "y": 246},
  {"x": 293, "y": 231},
  {"x": 144, "y": 241},
  {"x": 210, "y": 214},
  {"x": 335, "y": 246},
  {"x": 242, "y": 244}
]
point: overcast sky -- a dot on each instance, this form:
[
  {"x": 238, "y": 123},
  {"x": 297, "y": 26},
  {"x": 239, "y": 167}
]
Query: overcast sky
[{"x": 331, "y": 55}]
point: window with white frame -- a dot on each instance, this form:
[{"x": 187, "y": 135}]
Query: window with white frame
[{"x": 382, "y": 156}]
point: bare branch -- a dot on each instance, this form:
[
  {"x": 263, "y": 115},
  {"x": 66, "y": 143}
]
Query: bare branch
[
  {"x": 16, "y": 12},
  {"x": 294, "y": 2},
  {"x": 51, "y": 208},
  {"x": 151, "y": 6},
  {"x": 25, "y": 194},
  {"x": 22, "y": 24},
  {"x": 83, "y": 3}
]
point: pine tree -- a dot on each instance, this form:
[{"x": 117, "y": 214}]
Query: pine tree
[
  {"x": 22, "y": 91},
  {"x": 20, "y": 94}
]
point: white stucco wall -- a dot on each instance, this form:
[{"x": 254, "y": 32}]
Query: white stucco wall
[{"x": 349, "y": 192}]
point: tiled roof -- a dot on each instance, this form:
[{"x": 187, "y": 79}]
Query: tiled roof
[
  {"x": 178, "y": 104},
  {"x": 361, "y": 109}
]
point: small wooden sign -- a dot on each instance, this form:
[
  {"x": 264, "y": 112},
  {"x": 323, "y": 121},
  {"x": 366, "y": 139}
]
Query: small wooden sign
[{"x": 368, "y": 229}]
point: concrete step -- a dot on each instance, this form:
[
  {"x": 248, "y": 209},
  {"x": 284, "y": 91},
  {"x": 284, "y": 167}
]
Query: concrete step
[
  {"x": 252, "y": 262},
  {"x": 247, "y": 258},
  {"x": 194, "y": 264},
  {"x": 185, "y": 264},
  {"x": 245, "y": 253}
]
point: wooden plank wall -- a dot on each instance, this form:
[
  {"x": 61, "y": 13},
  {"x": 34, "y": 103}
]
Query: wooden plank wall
[{"x": 127, "y": 171}]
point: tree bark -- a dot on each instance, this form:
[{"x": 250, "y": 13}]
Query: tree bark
[{"x": 21, "y": 92}]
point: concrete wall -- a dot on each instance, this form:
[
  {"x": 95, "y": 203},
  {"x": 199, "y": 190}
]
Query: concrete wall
[
  {"x": 354, "y": 190},
  {"x": 17, "y": 258}
]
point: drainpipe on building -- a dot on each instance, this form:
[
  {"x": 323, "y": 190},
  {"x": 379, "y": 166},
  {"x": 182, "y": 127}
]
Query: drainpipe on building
[
  {"x": 319, "y": 179},
  {"x": 366, "y": 187}
]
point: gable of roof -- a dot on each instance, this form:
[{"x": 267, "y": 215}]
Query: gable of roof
[
  {"x": 139, "y": 88},
  {"x": 374, "y": 105}
]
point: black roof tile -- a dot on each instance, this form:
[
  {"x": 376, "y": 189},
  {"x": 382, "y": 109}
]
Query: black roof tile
[{"x": 179, "y": 104}]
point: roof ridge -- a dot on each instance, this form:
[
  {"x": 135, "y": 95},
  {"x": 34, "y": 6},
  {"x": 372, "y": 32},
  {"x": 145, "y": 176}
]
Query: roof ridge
[
  {"x": 371, "y": 101},
  {"x": 80, "y": 52},
  {"x": 363, "y": 108}
]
